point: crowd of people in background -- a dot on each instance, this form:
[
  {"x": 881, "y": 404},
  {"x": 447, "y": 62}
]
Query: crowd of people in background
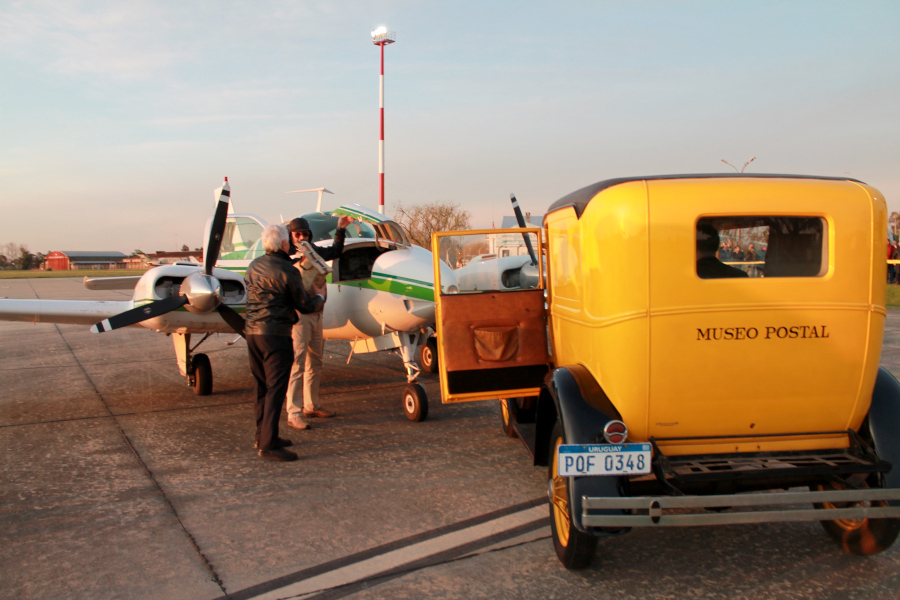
[
  {"x": 729, "y": 252},
  {"x": 893, "y": 253}
]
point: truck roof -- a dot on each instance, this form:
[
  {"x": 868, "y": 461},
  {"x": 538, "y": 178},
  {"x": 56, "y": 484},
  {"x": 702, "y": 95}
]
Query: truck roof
[{"x": 579, "y": 199}]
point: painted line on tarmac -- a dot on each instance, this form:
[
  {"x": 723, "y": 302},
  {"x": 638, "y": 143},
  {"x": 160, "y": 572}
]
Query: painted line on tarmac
[{"x": 343, "y": 576}]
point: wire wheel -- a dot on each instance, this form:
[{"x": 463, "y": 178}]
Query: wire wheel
[
  {"x": 859, "y": 536},
  {"x": 575, "y": 549},
  {"x": 508, "y": 409}
]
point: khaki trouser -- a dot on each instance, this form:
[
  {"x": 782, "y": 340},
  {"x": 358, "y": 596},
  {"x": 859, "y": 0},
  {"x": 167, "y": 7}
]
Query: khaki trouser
[{"x": 309, "y": 344}]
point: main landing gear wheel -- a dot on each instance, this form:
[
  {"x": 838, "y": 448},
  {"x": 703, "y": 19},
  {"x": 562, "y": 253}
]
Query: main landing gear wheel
[
  {"x": 415, "y": 402},
  {"x": 428, "y": 356},
  {"x": 859, "y": 536},
  {"x": 574, "y": 549},
  {"x": 508, "y": 408},
  {"x": 202, "y": 379}
]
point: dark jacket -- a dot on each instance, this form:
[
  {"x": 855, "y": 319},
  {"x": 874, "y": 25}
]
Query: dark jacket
[
  {"x": 274, "y": 295},
  {"x": 335, "y": 250}
]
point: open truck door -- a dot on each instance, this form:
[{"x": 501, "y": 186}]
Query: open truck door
[{"x": 492, "y": 324}]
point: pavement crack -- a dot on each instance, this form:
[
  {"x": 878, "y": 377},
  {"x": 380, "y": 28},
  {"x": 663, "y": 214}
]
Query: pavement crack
[{"x": 146, "y": 468}]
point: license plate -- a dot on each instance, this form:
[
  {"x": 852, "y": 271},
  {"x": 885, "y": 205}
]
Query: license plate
[{"x": 577, "y": 460}]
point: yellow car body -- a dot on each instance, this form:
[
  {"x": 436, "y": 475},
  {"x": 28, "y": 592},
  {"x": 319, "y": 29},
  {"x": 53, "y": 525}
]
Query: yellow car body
[
  {"x": 683, "y": 342},
  {"x": 685, "y": 357}
]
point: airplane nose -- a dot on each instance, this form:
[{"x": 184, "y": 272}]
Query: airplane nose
[{"x": 204, "y": 292}]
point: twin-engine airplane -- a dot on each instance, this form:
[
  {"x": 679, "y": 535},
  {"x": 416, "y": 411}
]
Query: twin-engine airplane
[{"x": 380, "y": 294}]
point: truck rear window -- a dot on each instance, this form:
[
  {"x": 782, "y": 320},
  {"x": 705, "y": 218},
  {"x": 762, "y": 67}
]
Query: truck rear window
[{"x": 743, "y": 247}]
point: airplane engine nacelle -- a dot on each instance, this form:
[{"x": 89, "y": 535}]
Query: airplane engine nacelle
[
  {"x": 398, "y": 313},
  {"x": 490, "y": 272},
  {"x": 409, "y": 279}
]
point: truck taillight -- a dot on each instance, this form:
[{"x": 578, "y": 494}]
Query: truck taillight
[{"x": 615, "y": 432}]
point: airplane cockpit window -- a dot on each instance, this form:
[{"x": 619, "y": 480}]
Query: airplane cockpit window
[
  {"x": 392, "y": 232},
  {"x": 761, "y": 246},
  {"x": 241, "y": 240},
  {"x": 323, "y": 227}
]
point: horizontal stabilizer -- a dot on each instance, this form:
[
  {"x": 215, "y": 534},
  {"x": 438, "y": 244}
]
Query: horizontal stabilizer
[{"x": 78, "y": 312}]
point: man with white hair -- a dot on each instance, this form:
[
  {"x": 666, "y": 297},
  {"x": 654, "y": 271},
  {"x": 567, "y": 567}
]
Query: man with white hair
[{"x": 274, "y": 295}]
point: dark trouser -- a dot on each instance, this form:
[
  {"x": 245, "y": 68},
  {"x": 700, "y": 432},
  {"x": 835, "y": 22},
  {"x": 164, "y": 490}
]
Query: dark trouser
[{"x": 271, "y": 357}]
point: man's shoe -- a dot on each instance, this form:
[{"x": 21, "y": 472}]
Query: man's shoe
[
  {"x": 279, "y": 443},
  {"x": 278, "y": 454},
  {"x": 297, "y": 423},
  {"x": 320, "y": 413}
]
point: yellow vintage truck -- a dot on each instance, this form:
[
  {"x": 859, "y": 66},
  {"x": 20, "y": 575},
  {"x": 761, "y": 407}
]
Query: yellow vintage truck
[{"x": 668, "y": 379}]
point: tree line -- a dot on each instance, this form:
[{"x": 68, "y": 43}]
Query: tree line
[
  {"x": 17, "y": 257},
  {"x": 420, "y": 221}
]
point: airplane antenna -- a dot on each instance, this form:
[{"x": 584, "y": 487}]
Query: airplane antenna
[{"x": 320, "y": 190}]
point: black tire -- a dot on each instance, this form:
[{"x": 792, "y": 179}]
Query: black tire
[
  {"x": 860, "y": 536},
  {"x": 415, "y": 403},
  {"x": 428, "y": 355},
  {"x": 508, "y": 409},
  {"x": 574, "y": 548},
  {"x": 203, "y": 378}
]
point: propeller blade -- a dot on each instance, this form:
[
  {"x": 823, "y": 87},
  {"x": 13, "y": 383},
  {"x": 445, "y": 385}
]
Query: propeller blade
[
  {"x": 234, "y": 320},
  {"x": 141, "y": 313},
  {"x": 521, "y": 221},
  {"x": 218, "y": 228}
]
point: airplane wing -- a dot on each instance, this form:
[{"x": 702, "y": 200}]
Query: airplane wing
[
  {"x": 111, "y": 283},
  {"x": 79, "y": 312}
]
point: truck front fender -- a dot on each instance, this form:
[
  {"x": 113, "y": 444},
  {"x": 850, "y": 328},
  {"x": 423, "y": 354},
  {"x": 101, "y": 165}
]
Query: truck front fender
[
  {"x": 581, "y": 404},
  {"x": 583, "y": 410}
]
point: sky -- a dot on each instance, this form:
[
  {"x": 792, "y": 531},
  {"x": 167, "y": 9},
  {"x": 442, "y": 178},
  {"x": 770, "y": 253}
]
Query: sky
[{"x": 119, "y": 119}]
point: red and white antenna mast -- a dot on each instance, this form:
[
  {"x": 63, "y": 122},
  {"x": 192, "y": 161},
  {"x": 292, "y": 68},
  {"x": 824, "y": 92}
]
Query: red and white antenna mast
[{"x": 382, "y": 37}]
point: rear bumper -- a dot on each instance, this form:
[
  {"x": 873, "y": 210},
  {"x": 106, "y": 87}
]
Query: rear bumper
[{"x": 668, "y": 511}]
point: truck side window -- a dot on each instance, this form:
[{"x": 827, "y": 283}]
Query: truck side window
[{"x": 767, "y": 246}]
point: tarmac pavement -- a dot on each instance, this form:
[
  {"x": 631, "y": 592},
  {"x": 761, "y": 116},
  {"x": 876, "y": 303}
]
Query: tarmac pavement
[{"x": 119, "y": 482}]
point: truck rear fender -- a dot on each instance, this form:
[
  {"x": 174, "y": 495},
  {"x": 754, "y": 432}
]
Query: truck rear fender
[
  {"x": 584, "y": 410},
  {"x": 884, "y": 423}
]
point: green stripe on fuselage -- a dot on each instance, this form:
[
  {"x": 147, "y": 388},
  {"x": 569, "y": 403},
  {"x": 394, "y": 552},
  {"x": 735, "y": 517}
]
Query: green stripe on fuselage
[{"x": 393, "y": 286}]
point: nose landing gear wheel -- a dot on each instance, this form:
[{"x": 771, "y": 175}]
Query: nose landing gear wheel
[
  {"x": 201, "y": 380},
  {"x": 415, "y": 402},
  {"x": 574, "y": 548}
]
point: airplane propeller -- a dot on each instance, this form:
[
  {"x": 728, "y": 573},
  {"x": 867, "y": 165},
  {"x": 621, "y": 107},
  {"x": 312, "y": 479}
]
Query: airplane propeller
[
  {"x": 523, "y": 225},
  {"x": 200, "y": 291}
]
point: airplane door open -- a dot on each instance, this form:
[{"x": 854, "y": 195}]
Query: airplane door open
[{"x": 492, "y": 322}]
